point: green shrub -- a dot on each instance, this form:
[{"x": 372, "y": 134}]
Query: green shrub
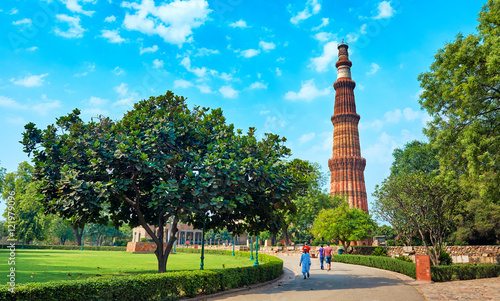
[
  {"x": 385, "y": 263},
  {"x": 444, "y": 257},
  {"x": 165, "y": 286},
  {"x": 379, "y": 251},
  {"x": 144, "y": 239},
  {"x": 279, "y": 244},
  {"x": 464, "y": 272},
  {"x": 404, "y": 258},
  {"x": 121, "y": 242},
  {"x": 390, "y": 243}
]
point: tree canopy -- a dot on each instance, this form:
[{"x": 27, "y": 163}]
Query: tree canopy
[
  {"x": 461, "y": 92},
  {"x": 163, "y": 162},
  {"x": 427, "y": 202},
  {"x": 344, "y": 224}
]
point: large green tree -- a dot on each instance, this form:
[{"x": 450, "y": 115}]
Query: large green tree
[
  {"x": 461, "y": 92},
  {"x": 31, "y": 222},
  {"x": 163, "y": 162},
  {"x": 428, "y": 203},
  {"x": 415, "y": 156},
  {"x": 344, "y": 223}
]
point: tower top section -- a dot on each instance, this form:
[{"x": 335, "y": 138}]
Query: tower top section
[{"x": 343, "y": 64}]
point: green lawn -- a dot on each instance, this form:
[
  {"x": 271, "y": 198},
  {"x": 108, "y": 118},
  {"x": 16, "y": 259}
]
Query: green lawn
[{"x": 46, "y": 265}]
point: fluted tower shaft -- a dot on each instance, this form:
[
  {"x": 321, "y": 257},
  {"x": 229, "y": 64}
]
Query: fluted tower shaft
[{"x": 346, "y": 165}]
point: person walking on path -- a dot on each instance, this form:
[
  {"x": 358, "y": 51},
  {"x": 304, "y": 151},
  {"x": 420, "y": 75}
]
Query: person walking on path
[
  {"x": 321, "y": 255},
  {"x": 306, "y": 248},
  {"x": 305, "y": 261},
  {"x": 328, "y": 256}
]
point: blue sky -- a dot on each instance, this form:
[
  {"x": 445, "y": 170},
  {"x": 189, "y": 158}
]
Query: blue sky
[{"x": 267, "y": 64}]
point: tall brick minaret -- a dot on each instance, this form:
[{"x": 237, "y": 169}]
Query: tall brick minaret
[{"x": 346, "y": 165}]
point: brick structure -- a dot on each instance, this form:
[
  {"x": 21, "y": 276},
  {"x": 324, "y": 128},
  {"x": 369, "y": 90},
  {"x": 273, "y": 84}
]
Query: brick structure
[{"x": 346, "y": 165}]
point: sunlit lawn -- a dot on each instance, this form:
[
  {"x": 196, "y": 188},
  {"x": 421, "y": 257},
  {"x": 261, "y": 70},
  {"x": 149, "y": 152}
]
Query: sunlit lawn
[{"x": 46, "y": 265}]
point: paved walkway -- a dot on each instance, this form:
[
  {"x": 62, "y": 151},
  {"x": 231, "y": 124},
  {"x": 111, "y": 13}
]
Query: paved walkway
[
  {"x": 354, "y": 282},
  {"x": 343, "y": 282}
]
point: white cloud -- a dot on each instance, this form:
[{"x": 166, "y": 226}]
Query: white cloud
[
  {"x": 324, "y": 22},
  {"x": 280, "y": 59},
  {"x": 278, "y": 71},
  {"x": 151, "y": 49},
  {"x": 384, "y": 10},
  {"x": 239, "y": 24},
  {"x": 113, "y": 36},
  {"x": 30, "y": 80},
  {"x": 226, "y": 76},
  {"x": 376, "y": 125},
  {"x": 75, "y": 30},
  {"x": 110, "y": 19},
  {"x": 312, "y": 7},
  {"x": 205, "y": 89},
  {"x": 46, "y": 106},
  {"x": 9, "y": 103},
  {"x": 374, "y": 69},
  {"x": 306, "y": 137},
  {"x": 26, "y": 22},
  {"x": 96, "y": 101},
  {"x": 118, "y": 71},
  {"x": 324, "y": 36},
  {"x": 264, "y": 112},
  {"x": 321, "y": 62},
  {"x": 32, "y": 48},
  {"x": 73, "y": 6},
  {"x": 266, "y": 46},
  {"x": 352, "y": 37},
  {"x": 173, "y": 21},
  {"x": 206, "y": 52},
  {"x": 181, "y": 83},
  {"x": 410, "y": 114},
  {"x": 258, "y": 85},
  {"x": 363, "y": 29},
  {"x": 157, "y": 64},
  {"x": 273, "y": 122},
  {"x": 307, "y": 92},
  {"x": 393, "y": 116},
  {"x": 122, "y": 89},
  {"x": 249, "y": 53},
  {"x": 228, "y": 92},
  {"x": 200, "y": 72},
  {"x": 14, "y": 11}
]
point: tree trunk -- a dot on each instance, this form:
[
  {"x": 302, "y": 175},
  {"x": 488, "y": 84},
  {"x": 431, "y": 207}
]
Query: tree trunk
[
  {"x": 285, "y": 234},
  {"x": 78, "y": 234}
]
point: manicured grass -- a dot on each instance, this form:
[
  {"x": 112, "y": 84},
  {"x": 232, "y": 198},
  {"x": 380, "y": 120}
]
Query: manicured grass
[{"x": 47, "y": 265}]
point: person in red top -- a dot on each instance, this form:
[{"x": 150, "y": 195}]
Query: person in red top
[
  {"x": 328, "y": 257},
  {"x": 306, "y": 248}
]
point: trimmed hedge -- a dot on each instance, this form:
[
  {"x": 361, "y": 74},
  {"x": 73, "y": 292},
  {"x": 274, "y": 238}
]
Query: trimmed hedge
[
  {"x": 385, "y": 263},
  {"x": 464, "y": 272},
  {"x": 165, "y": 286},
  {"x": 438, "y": 273},
  {"x": 58, "y": 247}
]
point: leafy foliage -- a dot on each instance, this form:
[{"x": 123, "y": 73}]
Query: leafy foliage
[
  {"x": 461, "y": 93},
  {"x": 344, "y": 224},
  {"x": 31, "y": 224},
  {"x": 163, "y": 162},
  {"x": 379, "y": 251},
  {"x": 427, "y": 202},
  {"x": 386, "y": 263}
]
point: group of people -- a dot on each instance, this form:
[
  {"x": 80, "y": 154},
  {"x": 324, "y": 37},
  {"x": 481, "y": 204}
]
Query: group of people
[{"x": 324, "y": 255}]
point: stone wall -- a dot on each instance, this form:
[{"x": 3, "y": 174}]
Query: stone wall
[{"x": 459, "y": 254}]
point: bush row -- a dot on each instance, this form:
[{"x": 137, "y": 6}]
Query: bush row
[
  {"x": 385, "y": 263},
  {"x": 59, "y": 247},
  {"x": 166, "y": 286},
  {"x": 464, "y": 272}
]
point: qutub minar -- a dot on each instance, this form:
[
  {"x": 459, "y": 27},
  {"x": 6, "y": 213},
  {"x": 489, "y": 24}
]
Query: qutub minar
[{"x": 346, "y": 165}]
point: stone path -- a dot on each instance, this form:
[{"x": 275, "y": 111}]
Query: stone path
[{"x": 352, "y": 282}]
